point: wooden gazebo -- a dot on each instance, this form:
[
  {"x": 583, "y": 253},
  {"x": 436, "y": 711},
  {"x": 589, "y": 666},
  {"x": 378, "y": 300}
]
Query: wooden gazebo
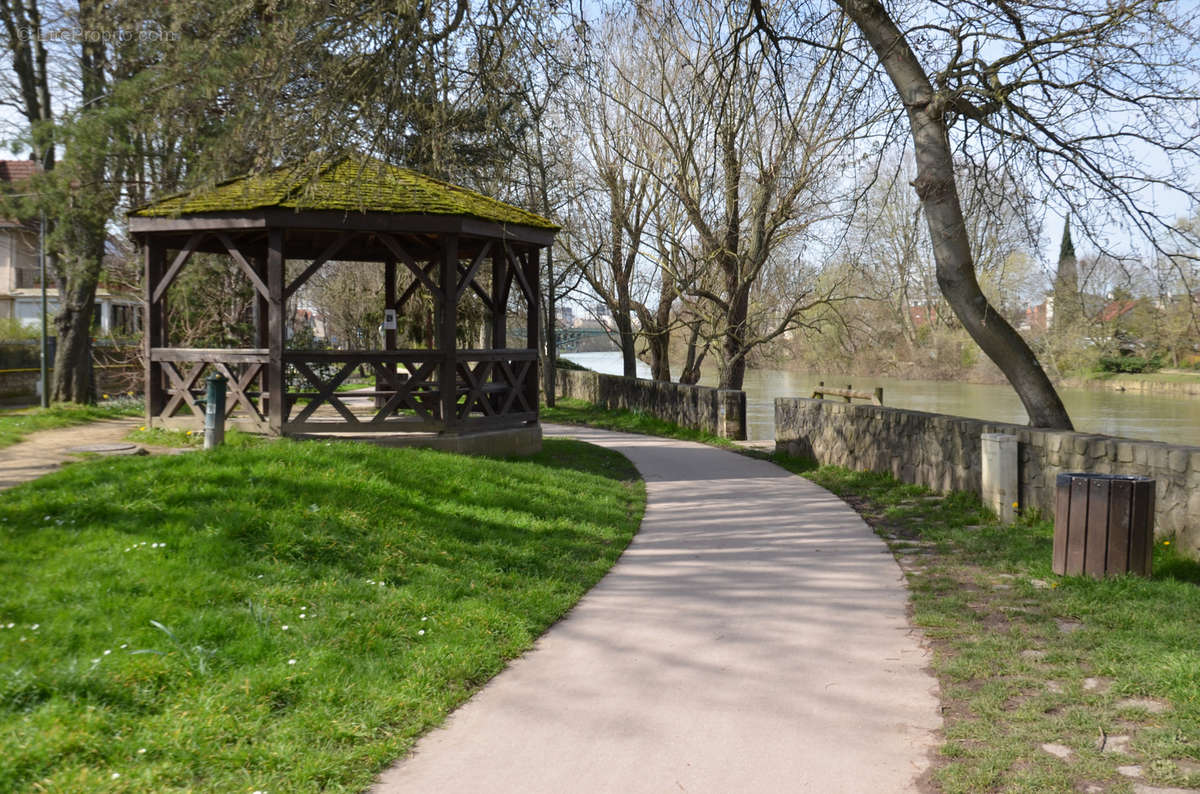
[{"x": 439, "y": 238}]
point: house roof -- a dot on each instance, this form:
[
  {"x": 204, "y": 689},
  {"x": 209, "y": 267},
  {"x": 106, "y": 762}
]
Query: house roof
[
  {"x": 1115, "y": 309},
  {"x": 350, "y": 183},
  {"x": 17, "y": 170}
]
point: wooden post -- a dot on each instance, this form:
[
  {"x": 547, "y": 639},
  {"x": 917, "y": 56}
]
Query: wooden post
[
  {"x": 389, "y": 300},
  {"x": 155, "y": 327},
  {"x": 499, "y": 298},
  {"x": 262, "y": 330},
  {"x": 389, "y": 334},
  {"x": 276, "y": 331},
  {"x": 447, "y": 332},
  {"x": 532, "y": 271},
  {"x": 849, "y": 387}
]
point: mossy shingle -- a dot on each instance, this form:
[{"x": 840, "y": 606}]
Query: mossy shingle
[{"x": 347, "y": 184}]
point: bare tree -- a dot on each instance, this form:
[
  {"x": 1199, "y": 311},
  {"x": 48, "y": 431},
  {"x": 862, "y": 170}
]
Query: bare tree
[
  {"x": 611, "y": 225},
  {"x": 755, "y": 141},
  {"x": 1078, "y": 90}
]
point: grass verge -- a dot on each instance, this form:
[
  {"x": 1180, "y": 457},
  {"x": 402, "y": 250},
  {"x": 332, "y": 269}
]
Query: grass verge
[
  {"x": 193, "y": 439},
  {"x": 15, "y": 425},
  {"x": 578, "y": 412},
  {"x": 281, "y": 617},
  {"x": 1048, "y": 684}
]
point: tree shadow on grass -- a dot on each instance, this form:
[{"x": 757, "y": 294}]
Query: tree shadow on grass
[{"x": 1177, "y": 568}]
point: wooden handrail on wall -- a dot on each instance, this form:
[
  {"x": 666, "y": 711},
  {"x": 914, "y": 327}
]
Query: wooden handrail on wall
[{"x": 848, "y": 393}]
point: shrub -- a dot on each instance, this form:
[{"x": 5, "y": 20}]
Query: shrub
[{"x": 1131, "y": 364}]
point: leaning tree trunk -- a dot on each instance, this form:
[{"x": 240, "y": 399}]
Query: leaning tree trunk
[{"x": 938, "y": 193}]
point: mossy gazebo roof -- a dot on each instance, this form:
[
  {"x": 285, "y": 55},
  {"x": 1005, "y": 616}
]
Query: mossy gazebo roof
[
  {"x": 438, "y": 244},
  {"x": 350, "y": 185}
]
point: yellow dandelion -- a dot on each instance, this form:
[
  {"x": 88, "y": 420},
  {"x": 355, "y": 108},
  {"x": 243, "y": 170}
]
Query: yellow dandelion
[
  {"x": 1166, "y": 543},
  {"x": 1014, "y": 505},
  {"x": 106, "y": 396},
  {"x": 143, "y": 427}
]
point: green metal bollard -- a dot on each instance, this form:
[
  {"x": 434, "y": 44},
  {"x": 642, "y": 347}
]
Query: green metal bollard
[{"x": 214, "y": 411}]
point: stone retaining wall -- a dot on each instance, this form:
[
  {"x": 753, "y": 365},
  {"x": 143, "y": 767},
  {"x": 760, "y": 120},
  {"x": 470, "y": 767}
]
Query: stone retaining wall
[
  {"x": 721, "y": 412},
  {"x": 943, "y": 453}
]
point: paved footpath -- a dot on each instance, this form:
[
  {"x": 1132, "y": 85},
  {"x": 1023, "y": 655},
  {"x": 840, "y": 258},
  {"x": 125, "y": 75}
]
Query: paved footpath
[
  {"x": 46, "y": 450},
  {"x": 751, "y": 639}
]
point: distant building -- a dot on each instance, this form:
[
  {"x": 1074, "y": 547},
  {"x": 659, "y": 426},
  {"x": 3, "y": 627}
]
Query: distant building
[
  {"x": 1116, "y": 309},
  {"x": 1037, "y": 319},
  {"x": 922, "y": 314},
  {"x": 20, "y": 274}
]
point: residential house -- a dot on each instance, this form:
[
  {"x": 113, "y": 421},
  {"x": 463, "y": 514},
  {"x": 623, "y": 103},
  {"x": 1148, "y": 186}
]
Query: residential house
[{"x": 20, "y": 274}]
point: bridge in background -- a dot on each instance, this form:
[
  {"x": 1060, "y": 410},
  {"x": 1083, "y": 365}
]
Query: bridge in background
[{"x": 575, "y": 340}]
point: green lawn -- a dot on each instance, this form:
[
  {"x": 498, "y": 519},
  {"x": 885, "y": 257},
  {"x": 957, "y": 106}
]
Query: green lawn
[
  {"x": 282, "y": 617},
  {"x": 15, "y": 425},
  {"x": 579, "y": 412}
]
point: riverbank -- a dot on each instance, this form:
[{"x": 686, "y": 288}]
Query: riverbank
[
  {"x": 1131, "y": 415},
  {"x": 1169, "y": 384}
]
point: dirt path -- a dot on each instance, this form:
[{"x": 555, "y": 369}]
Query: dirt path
[{"x": 46, "y": 450}]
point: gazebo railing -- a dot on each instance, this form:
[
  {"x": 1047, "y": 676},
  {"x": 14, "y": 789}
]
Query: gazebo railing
[
  {"x": 492, "y": 389},
  {"x": 181, "y": 373}
]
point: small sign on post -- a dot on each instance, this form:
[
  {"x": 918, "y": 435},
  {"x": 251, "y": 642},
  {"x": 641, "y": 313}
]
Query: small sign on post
[
  {"x": 389, "y": 319},
  {"x": 214, "y": 411}
]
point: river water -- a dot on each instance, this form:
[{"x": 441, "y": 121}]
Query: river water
[{"x": 1126, "y": 414}]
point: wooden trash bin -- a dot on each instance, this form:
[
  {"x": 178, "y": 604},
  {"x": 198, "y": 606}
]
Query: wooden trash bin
[{"x": 1103, "y": 524}]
